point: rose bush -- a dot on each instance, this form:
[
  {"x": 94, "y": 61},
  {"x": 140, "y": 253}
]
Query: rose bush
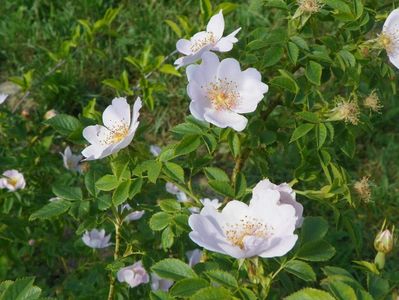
[{"x": 259, "y": 165}]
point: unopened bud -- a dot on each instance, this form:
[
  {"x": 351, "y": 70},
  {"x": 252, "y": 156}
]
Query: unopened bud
[
  {"x": 384, "y": 241},
  {"x": 31, "y": 242},
  {"x": 25, "y": 113},
  {"x": 50, "y": 114}
]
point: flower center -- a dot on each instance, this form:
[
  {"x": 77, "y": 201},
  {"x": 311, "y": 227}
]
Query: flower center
[
  {"x": 247, "y": 226},
  {"x": 200, "y": 43},
  {"x": 389, "y": 41},
  {"x": 12, "y": 181},
  {"x": 117, "y": 134},
  {"x": 223, "y": 94}
]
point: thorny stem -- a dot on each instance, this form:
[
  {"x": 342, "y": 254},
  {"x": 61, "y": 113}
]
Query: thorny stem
[{"x": 117, "y": 224}]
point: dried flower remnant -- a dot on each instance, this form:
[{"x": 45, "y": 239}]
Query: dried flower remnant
[
  {"x": 373, "y": 102},
  {"x": 362, "y": 188},
  {"x": 309, "y": 6},
  {"x": 347, "y": 110}
]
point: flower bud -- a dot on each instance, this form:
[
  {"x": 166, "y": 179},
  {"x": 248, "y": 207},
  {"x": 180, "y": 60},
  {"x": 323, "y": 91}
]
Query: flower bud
[
  {"x": 50, "y": 114},
  {"x": 384, "y": 241}
]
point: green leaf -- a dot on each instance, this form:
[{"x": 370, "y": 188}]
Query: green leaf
[
  {"x": 159, "y": 221},
  {"x": 169, "y": 69},
  {"x": 173, "y": 171},
  {"x": 340, "y": 290},
  {"x": 313, "y": 72},
  {"x": 213, "y": 173},
  {"x": 153, "y": 170},
  {"x": 67, "y": 193},
  {"x": 188, "y": 286},
  {"x": 316, "y": 251},
  {"x": 378, "y": 287},
  {"x": 172, "y": 268},
  {"x": 240, "y": 186},
  {"x": 160, "y": 295},
  {"x": 187, "y": 129},
  {"x": 212, "y": 293},
  {"x": 222, "y": 278},
  {"x": 247, "y": 294},
  {"x": 167, "y": 238},
  {"x": 90, "y": 183},
  {"x": 313, "y": 229},
  {"x": 188, "y": 144},
  {"x": 152, "y": 167},
  {"x": 65, "y": 124},
  {"x": 301, "y": 131},
  {"x": 135, "y": 187},
  {"x": 21, "y": 289},
  {"x": 176, "y": 29},
  {"x": 308, "y": 116},
  {"x": 235, "y": 144},
  {"x": 107, "y": 183},
  {"x": 321, "y": 135},
  {"x": 104, "y": 202},
  {"x": 222, "y": 187},
  {"x": 50, "y": 210},
  {"x": 293, "y": 52},
  {"x": 170, "y": 205},
  {"x": 121, "y": 193},
  {"x": 276, "y": 4},
  {"x": 273, "y": 55},
  {"x": 301, "y": 270},
  {"x": 286, "y": 82},
  {"x": 310, "y": 294}
]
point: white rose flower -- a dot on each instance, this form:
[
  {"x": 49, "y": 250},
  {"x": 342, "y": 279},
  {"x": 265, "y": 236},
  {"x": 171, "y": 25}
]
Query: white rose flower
[
  {"x": 174, "y": 190},
  {"x": 3, "y": 98},
  {"x": 12, "y": 180},
  {"x": 220, "y": 92},
  {"x": 133, "y": 216},
  {"x": 155, "y": 150},
  {"x": 118, "y": 132},
  {"x": 194, "y": 257},
  {"x": 71, "y": 161},
  {"x": 287, "y": 196},
  {"x": 158, "y": 283},
  {"x": 389, "y": 37},
  {"x": 133, "y": 275},
  {"x": 206, "y": 201},
  {"x": 96, "y": 239},
  {"x": 263, "y": 228},
  {"x": 211, "y": 39}
]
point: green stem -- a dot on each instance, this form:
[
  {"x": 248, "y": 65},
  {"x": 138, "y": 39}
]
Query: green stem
[{"x": 117, "y": 224}]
